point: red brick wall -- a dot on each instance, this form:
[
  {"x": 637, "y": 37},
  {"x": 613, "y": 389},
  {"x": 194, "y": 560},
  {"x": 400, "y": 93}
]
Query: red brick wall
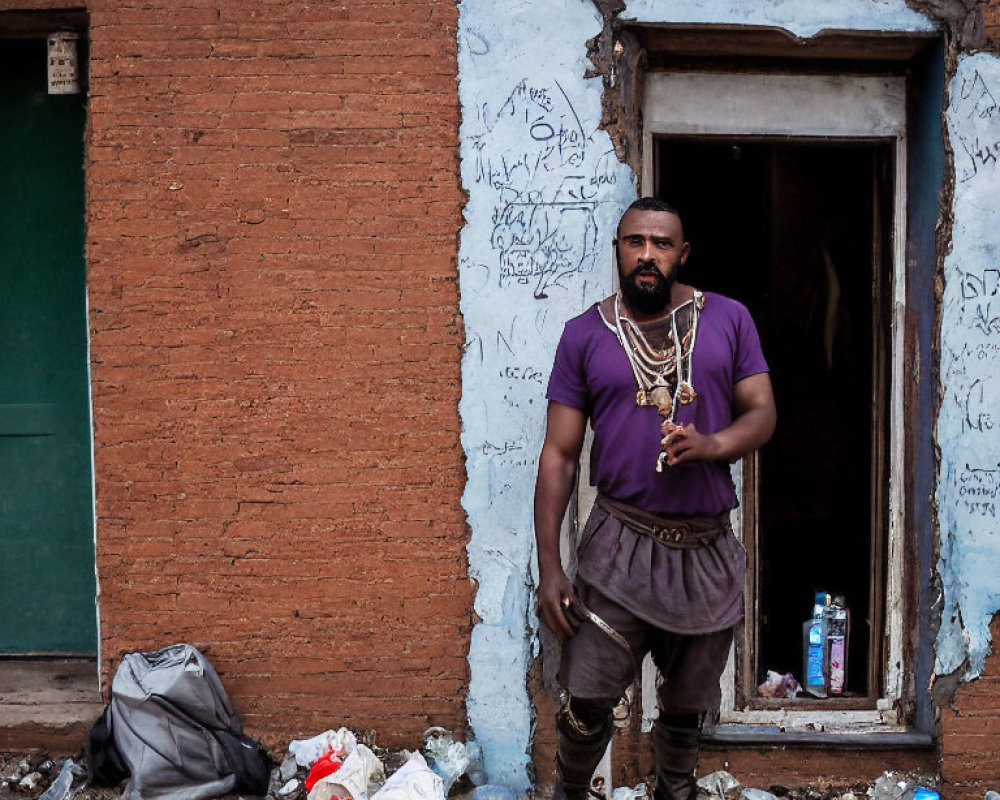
[
  {"x": 991, "y": 20},
  {"x": 273, "y": 209},
  {"x": 970, "y": 733}
]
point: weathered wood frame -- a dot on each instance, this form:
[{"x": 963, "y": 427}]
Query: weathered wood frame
[{"x": 826, "y": 108}]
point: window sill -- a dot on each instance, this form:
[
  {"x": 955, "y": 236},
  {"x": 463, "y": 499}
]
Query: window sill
[{"x": 728, "y": 735}]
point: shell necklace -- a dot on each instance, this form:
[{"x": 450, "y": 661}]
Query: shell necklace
[{"x": 663, "y": 377}]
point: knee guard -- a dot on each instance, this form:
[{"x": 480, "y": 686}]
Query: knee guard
[{"x": 584, "y": 727}]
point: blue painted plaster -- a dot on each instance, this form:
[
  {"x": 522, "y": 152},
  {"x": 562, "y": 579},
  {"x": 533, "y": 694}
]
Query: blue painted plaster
[
  {"x": 804, "y": 19},
  {"x": 545, "y": 191},
  {"x": 968, "y": 428}
]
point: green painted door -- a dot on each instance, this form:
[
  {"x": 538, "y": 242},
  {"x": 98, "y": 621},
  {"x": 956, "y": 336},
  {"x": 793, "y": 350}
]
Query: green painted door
[{"x": 48, "y": 589}]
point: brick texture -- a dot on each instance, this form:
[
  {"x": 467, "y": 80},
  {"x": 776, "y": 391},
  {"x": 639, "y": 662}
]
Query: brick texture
[
  {"x": 970, "y": 733},
  {"x": 273, "y": 209},
  {"x": 273, "y": 206},
  {"x": 991, "y": 21}
]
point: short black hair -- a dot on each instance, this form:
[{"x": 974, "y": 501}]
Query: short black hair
[{"x": 650, "y": 204}]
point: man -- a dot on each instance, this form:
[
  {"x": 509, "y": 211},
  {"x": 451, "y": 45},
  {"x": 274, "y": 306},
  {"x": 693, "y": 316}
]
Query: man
[{"x": 676, "y": 388}]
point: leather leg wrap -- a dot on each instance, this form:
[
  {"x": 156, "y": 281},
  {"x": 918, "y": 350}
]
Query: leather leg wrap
[
  {"x": 676, "y": 742},
  {"x": 584, "y": 727}
]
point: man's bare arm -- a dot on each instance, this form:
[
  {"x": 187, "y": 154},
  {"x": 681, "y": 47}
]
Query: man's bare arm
[
  {"x": 752, "y": 427},
  {"x": 564, "y": 430}
]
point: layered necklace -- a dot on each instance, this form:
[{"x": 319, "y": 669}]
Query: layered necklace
[{"x": 662, "y": 375}]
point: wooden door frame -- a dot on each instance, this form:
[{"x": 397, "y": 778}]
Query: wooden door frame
[{"x": 822, "y": 108}]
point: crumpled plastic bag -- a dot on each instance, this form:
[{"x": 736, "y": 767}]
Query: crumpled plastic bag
[
  {"x": 756, "y": 794},
  {"x": 62, "y": 786},
  {"x": 361, "y": 775},
  {"x": 447, "y": 758},
  {"x": 306, "y": 751},
  {"x": 630, "y": 793},
  {"x": 326, "y": 764},
  {"x": 778, "y": 685},
  {"x": 719, "y": 786},
  {"x": 412, "y": 781},
  {"x": 897, "y": 786}
]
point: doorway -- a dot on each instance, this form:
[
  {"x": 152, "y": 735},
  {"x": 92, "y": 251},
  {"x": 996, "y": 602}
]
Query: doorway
[
  {"x": 48, "y": 594},
  {"x": 798, "y": 231}
]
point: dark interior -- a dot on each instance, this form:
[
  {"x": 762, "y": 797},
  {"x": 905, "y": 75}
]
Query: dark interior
[{"x": 789, "y": 230}]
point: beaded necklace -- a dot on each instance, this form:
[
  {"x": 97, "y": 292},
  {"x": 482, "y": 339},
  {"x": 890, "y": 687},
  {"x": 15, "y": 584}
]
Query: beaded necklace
[{"x": 663, "y": 377}]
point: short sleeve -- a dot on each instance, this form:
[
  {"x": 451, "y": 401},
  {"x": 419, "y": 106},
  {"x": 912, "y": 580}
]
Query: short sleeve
[
  {"x": 749, "y": 356},
  {"x": 568, "y": 383}
]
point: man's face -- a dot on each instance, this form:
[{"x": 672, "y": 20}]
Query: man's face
[{"x": 650, "y": 249}]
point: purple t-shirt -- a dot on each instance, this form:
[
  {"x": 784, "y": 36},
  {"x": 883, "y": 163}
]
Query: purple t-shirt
[{"x": 592, "y": 373}]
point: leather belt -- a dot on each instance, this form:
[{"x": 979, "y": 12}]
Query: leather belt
[{"x": 688, "y": 533}]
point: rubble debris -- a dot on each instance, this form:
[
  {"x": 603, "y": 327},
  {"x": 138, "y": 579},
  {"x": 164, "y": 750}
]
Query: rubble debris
[
  {"x": 410, "y": 777},
  {"x": 30, "y": 782},
  {"x": 719, "y": 785},
  {"x": 412, "y": 781},
  {"x": 62, "y": 786},
  {"x": 897, "y": 786},
  {"x": 445, "y": 756}
]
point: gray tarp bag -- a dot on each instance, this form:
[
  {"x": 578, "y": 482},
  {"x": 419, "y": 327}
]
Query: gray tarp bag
[{"x": 168, "y": 708}]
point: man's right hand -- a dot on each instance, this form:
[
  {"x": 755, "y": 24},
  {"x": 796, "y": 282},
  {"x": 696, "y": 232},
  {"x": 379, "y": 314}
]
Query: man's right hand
[{"x": 556, "y": 600}]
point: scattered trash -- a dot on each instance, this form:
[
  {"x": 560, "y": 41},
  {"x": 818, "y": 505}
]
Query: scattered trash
[
  {"x": 492, "y": 791},
  {"x": 719, "y": 786},
  {"x": 757, "y": 794},
  {"x": 307, "y": 751},
  {"x": 62, "y": 786},
  {"x": 895, "y": 786},
  {"x": 288, "y": 768},
  {"x": 412, "y": 777},
  {"x": 30, "y": 782},
  {"x": 991, "y": 795},
  {"x": 361, "y": 775},
  {"x": 414, "y": 781},
  {"x": 476, "y": 772},
  {"x": 326, "y": 764},
  {"x": 778, "y": 685},
  {"x": 625, "y": 793},
  {"x": 446, "y": 757}
]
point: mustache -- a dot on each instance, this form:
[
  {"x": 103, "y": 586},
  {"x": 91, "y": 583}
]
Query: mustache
[{"x": 645, "y": 269}]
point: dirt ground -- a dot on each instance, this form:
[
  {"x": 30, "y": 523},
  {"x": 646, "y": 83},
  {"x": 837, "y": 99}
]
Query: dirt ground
[{"x": 44, "y": 770}]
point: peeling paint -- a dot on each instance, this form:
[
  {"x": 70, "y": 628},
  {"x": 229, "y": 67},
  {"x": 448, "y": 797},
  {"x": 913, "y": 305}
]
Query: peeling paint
[
  {"x": 540, "y": 86},
  {"x": 962, "y": 18},
  {"x": 968, "y": 429},
  {"x": 545, "y": 189},
  {"x": 803, "y": 19}
]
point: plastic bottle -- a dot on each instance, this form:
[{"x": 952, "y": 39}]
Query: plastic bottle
[
  {"x": 814, "y": 648},
  {"x": 839, "y": 626},
  {"x": 61, "y": 787}
]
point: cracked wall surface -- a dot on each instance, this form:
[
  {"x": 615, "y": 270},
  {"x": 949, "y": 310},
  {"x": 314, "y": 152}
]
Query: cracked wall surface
[
  {"x": 545, "y": 190},
  {"x": 545, "y": 186},
  {"x": 968, "y": 429}
]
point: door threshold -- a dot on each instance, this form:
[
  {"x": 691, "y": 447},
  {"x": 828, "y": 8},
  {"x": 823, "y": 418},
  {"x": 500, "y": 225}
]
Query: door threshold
[{"x": 48, "y": 704}]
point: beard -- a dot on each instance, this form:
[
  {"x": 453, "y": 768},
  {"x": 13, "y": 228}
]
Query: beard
[{"x": 646, "y": 298}]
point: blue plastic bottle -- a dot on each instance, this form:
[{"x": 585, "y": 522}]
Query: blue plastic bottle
[{"x": 814, "y": 648}]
